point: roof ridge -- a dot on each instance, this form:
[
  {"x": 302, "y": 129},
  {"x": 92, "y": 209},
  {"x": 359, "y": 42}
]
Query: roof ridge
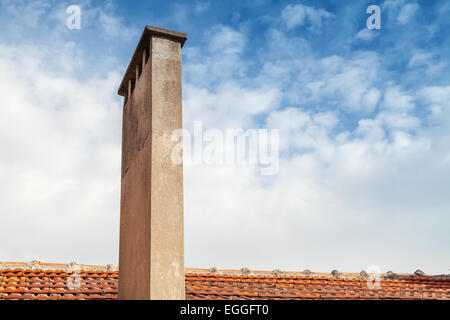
[
  {"x": 335, "y": 274},
  {"x": 45, "y": 266}
]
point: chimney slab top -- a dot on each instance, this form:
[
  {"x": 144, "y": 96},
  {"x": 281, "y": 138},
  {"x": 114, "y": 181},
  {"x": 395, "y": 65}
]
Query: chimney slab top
[{"x": 149, "y": 31}]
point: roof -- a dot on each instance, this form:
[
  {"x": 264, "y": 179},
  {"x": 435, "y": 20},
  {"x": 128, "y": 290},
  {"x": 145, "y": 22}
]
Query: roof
[
  {"x": 46, "y": 281},
  {"x": 50, "y": 281},
  {"x": 144, "y": 44}
]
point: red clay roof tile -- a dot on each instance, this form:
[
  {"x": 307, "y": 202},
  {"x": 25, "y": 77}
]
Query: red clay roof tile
[{"x": 73, "y": 282}]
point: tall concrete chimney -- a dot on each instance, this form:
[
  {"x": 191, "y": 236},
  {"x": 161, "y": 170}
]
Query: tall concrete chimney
[{"x": 151, "y": 255}]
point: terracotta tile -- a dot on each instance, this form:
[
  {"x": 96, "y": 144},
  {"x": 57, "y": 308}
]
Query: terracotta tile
[
  {"x": 53, "y": 284},
  {"x": 27, "y": 296},
  {"x": 283, "y": 285},
  {"x": 57, "y": 290},
  {"x": 68, "y": 297}
]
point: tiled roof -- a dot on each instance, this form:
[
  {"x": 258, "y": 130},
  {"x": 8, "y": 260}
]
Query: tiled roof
[{"x": 61, "y": 281}]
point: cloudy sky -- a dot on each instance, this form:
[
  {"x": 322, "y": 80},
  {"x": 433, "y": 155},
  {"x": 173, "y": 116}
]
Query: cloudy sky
[{"x": 364, "y": 119}]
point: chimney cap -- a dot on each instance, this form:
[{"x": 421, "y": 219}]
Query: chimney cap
[
  {"x": 149, "y": 31},
  {"x": 166, "y": 33}
]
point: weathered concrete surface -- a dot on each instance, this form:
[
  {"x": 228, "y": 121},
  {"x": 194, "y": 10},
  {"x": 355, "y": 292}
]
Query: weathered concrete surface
[{"x": 151, "y": 257}]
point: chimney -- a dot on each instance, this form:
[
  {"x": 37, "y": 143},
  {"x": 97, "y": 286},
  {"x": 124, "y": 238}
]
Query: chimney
[{"x": 151, "y": 255}]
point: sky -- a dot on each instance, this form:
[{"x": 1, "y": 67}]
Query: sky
[{"x": 363, "y": 118}]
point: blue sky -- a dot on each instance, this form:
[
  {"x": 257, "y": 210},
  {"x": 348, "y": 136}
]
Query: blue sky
[{"x": 364, "y": 119}]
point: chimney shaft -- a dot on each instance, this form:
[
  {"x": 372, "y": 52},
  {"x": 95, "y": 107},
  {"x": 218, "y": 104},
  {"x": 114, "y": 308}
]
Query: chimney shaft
[{"x": 151, "y": 256}]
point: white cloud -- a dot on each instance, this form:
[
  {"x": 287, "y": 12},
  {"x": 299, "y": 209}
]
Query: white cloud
[
  {"x": 366, "y": 35},
  {"x": 30, "y": 14},
  {"x": 343, "y": 198},
  {"x": 227, "y": 41},
  {"x": 219, "y": 60},
  {"x": 332, "y": 202},
  {"x": 201, "y": 6},
  {"x": 395, "y": 98},
  {"x": 407, "y": 12},
  {"x": 113, "y": 27},
  {"x": 229, "y": 106},
  {"x": 349, "y": 81},
  {"x": 436, "y": 94},
  {"x": 301, "y": 15},
  {"x": 393, "y": 3},
  {"x": 420, "y": 58},
  {"x": 60, "y": 175},
  {"x": 438, "y": 100},
  {"x": 301, "y": 130},
  {"x": 426, "y": 61}
]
